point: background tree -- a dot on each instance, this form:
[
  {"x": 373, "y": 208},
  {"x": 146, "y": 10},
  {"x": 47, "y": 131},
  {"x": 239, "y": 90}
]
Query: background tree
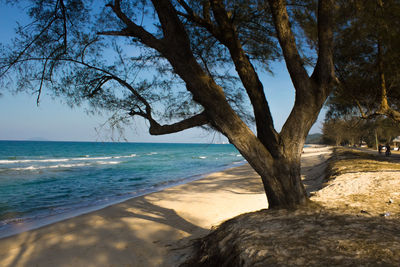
[
  {"x": 367, "y": 52},
  {"x": 344, "y": 130},
  {"x": 353, "y": 130},
  {"x": 191, "y": 48}
]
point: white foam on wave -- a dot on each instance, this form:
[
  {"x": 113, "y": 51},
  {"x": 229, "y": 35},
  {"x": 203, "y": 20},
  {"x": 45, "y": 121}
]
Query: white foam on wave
[
  {"x": 108, "y": 162},
  {"x": 65, "y": 166},
  {"x": 86, "y": 158},
  {"x": 33, "y": 168},
  {"x": 122, "y": 157},
  {"x": 94, "y": 158},
  {"x": 31, "y": 160}
]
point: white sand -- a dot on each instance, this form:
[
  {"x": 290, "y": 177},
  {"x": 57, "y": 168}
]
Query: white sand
[{"x": 144, "y": 231}]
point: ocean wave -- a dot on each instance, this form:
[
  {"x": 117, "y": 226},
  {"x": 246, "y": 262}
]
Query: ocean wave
[
  {"x": 108, "y": 162},
  {"x": 62, "y": 159},
  {"x": 31, "y": 160},
  {"x": 65, "y": 166},
  {"x": 11, "y": 221},
  {"x": 122, "y": 157},
  {"x": 199, "y": 157},
  {"x": 34, "y": 168}
]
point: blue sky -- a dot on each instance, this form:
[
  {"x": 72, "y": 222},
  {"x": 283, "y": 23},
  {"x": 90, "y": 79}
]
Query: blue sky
[{"x": 21, "y": 119}]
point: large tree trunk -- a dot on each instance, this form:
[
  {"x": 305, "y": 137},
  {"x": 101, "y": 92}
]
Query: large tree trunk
[
  {"x": 280, "y": 175},
  {"x": 281, "y": 178},
  {"x": 289, "y": 192}
]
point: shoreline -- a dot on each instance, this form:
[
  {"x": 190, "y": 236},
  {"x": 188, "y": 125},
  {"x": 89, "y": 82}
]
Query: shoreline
[
  {"x": 145, "y": 230},
  {"x": 139, "y": 231},
  {"x": 22, "y": 225}
]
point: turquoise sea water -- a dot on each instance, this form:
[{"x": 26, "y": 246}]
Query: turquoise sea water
[{"x": 39, "y": 180}]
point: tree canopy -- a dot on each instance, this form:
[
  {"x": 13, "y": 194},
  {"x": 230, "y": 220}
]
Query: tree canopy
[{"x": 367, "y": 52}]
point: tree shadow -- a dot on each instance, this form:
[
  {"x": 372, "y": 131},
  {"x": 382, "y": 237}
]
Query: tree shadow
[
  {"x": 314, "y": 172},
  {"x": 242, "y": 180},
  {"x": 126, "y": 234}
]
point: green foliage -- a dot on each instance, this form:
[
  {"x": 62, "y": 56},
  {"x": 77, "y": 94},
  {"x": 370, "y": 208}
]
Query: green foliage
[
  {"x": 314, "y": 139},
  {"x": 363, "y": 26},
  {"x": 352, "y": 130},
  {"x": 62, "y": 53}
]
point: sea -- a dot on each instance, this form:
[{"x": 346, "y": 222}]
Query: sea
[{"x": 44, "y": 182}]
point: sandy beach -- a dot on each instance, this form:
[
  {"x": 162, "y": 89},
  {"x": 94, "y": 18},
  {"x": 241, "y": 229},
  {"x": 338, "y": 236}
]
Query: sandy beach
[{"x": 151, "y": 230}]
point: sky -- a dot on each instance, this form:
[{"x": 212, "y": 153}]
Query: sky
[{"x": 22, "y": 119}]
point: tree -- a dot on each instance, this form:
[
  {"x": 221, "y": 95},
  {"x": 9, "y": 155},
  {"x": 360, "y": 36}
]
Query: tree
[
  {"x": 191, "y": 45},
  {"x": 352, "y": 130},
  {"x": 345, "y": 130},
  {"x": 366, "y": 59}
]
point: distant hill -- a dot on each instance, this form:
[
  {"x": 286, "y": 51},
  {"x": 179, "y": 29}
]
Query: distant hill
[
  {"x": 37, "y": 139},
  {"x": 314, "y": 138}
]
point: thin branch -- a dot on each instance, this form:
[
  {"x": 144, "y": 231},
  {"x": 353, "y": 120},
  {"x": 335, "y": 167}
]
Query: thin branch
[
  {"x": 85, "y": 47},
  {"x": 111, "y": 76},
  {"x": 64, "y": 15},
  {"x": 50, "y": 57},
  {"x": 27, "y": 47},
  {"x": 41, "y": 82},
  {"x": 123, "y": 32},
  {"x": 136, "y": 30},
  {"x": 195, "y": 18},
  {"x": 35, "y": 39},
  {"x": 102, "y": 80},
  {"x": 363, "y": 115}
]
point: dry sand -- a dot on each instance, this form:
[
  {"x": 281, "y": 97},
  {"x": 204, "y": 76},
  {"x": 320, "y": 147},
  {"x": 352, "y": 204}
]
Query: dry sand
[
  {"x": 354, "y": 220},
  {"x": 146, "y": 231}
]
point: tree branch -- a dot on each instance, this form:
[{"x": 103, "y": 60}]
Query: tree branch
[
  {"x": 64, "y": 15},
  {"x": 27, "y": 47},
  {"x": 173, "y": 29},
  {"x": 310, "y": 93},
  {"x": 324, "y": 71},
  {"x": 197, "y": 120},
  {"x": 363, "y": 115},
  {"x": 195, "y": 18},
  {"x": 287, "y": 41},
  {"x": 123, "y": 32},
  {"x": 100, "y": 82},
  {"x": 136, "y": 30},
  {"x": 249, "y": 77}
]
